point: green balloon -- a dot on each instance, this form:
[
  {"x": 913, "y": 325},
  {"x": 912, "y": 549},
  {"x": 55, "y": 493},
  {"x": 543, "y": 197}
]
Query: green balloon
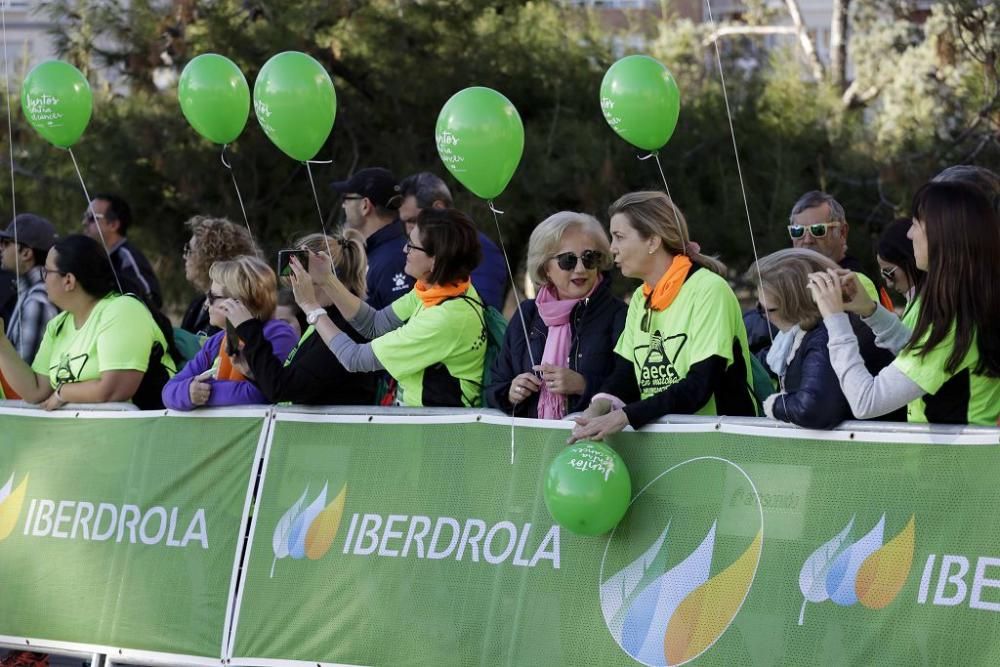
[
  {"x": 214, "y": 97},
  {"x": 480, "y": 139},
  {"x": 587, "y": 488},
  {"x": 295, "y": 103},
  {"x": 640, "y": 101},
  {"x": 57, "y": 102}
]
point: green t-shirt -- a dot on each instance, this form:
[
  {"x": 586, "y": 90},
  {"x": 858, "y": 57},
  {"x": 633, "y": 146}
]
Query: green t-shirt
[
  {"x": 960, "y": 398},
  {"x": 869, "y": 287},
  {"x": 118, "y": 335},
  {"x": 703, "y": 321},
  {"x": 437, "y": 355}
]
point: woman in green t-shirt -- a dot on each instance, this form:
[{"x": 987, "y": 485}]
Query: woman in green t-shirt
[
  {"x": 684, "y": 347},
  {"x": 432, "y": 340},
  {"x": 99, "y": 348},
  {"x": 947, "y": 369}
]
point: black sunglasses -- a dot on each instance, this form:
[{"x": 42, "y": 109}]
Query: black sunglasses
[
  {"x": 212, "y": 297},
  {"x": 591, "y": 259}
]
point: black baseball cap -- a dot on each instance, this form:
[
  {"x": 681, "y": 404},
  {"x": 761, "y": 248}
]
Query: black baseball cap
[
  {"x": 374, "y": 183},
  {"x": 33, "y": 231}
]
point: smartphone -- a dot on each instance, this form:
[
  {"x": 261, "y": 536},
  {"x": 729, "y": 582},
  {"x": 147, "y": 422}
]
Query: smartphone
[
  {"x": 284, "y": 270},
  {"x": 232, "y": 340}
]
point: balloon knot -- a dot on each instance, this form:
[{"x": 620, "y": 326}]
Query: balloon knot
[{"x": 494, "y": 208}]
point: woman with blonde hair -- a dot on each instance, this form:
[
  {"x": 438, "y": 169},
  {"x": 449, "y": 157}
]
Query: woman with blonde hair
[
  {"x": 312, "y": 375},
  {"x": 810, "y": 393},
  {"x": 684, "y": 347},
  {"x": 241, "y": 289},
  {"x": 212, "y": 240},
  {"x": 572, "y": 325}
]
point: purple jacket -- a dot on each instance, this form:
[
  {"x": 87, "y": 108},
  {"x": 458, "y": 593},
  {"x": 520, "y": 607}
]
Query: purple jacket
[{"x": 176, "y": 394}]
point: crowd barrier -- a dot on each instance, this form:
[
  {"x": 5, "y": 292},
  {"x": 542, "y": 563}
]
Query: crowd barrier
[{"x": 386, "y": 537}]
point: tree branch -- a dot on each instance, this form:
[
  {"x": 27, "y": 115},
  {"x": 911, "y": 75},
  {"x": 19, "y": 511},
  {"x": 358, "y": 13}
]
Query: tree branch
[
  {"x": 748, "y": 30},
  {"x": 838, "y": 43},
  {"x": 805, "y": 40}
]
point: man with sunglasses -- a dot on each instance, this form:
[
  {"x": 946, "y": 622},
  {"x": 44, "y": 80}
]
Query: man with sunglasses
[
  {"x": 817, "y": 223},
  {"x": 108, "y": 218},
  {"x": 26, "y": 258}
]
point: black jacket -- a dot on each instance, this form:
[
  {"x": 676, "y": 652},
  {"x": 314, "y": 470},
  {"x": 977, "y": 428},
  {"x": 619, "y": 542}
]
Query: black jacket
[
  {"x": 314, "y": 377},
  {"x": 596, "y": 322},
  {"x": 195, "y": 318},
  {"x": 813, "y": 397}
]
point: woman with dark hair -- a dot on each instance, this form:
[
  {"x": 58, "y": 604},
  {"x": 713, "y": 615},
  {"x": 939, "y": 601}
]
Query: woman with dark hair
[
  {"x": 311, "y": 374},
  {"x": 432, "y": 340},
  {"x": 573, "y": 323},
  {"x": 896, "y": 262},
  {"x": 948, "y": 364},
  {"x": 102, "y": 344},
  {"x": 684, "y": 346}
]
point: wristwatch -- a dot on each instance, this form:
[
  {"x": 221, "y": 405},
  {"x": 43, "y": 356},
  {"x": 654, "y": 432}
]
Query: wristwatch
[{"x": 313, "y": 315}]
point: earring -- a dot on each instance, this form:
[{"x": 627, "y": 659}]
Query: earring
[{"x": 650, "y": 251}]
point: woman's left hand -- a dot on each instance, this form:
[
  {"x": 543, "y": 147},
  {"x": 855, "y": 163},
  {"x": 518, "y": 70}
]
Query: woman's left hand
[
  {"x": 827, "y": 292},
  {"x": 235, "y": 311},
  {"x": 302, "y": 286},
  {"x": 53, "y": 402},
  {"x": 561, "y": 380},
  {"x": 597, "y": 428}
]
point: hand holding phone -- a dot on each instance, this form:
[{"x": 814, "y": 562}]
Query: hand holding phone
[{"x": 284, "y": 270}]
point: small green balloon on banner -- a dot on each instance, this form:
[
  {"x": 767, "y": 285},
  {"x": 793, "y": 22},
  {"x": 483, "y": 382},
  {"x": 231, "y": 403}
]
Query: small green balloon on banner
[
  {"x": 641, "y": 101},
  {"x": 587, "y": 488},
  {"x": 214, "y": 97},
  {"x": 295, "y": 103},
  {"x": 480, "y": 139},
  {"x": 57, "y": 102}
]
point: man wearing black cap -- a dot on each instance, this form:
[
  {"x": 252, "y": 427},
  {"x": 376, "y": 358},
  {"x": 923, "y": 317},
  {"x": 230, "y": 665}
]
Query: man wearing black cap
[
  {"x": 26, "y": 258},
  {"x": 371, "y": 197}
]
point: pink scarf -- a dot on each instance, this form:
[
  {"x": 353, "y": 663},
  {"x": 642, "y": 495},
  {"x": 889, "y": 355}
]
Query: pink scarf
[{"x": 555, "y": 312}]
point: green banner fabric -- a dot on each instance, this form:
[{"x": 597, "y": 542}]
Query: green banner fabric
[
  {"x": 394, "y": 543},
  {"x": 121, "y": 530}
]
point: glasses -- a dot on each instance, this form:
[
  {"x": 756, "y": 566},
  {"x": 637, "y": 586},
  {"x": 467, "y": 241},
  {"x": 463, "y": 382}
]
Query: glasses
[
  {"x": 46, "y": 271},
  {"x": 888, "y": 273},
  {"x": 187, "y": 249},
  {"x": 817, "y": 231},
  {"x": 90, "y": 217},
  {"x": 211, "y": 297},
  {"x": 353, "y": 197},
  {"x": 567, "y": 260},
  {"x": 409, "y": 246}
]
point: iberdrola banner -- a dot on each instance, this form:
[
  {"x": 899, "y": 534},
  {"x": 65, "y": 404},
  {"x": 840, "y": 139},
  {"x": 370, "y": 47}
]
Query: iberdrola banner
[
  {"x": 122, "y": 529},
  {"x": 418, "y": 541}
]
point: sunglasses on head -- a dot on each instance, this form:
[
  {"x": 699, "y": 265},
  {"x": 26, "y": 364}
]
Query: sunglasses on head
[
  {"x": 591, "y": 259},
  {"x": 817, "y": 231}
]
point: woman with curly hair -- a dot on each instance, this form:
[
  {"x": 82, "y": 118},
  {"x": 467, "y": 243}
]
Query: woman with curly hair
[{"x": 212, "y": 240}]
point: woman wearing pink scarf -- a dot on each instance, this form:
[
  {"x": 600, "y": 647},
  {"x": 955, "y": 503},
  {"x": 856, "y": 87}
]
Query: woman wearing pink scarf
[{"x": 572, "y": 325}]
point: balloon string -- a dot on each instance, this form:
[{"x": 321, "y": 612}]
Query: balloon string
[
  {"x": 513, "y": 284},
  {"x": 743, "y": 190},
  {"x": 90, "y": 207},
  {"x": 13, "y": 198},
  {"x": 319, "y": 210},
  {"x": 520, "y": 311},
  {"x": 318, "y": 161},
  {"x": 236, "y": 186},
  {"x": 685, "y": 233}
]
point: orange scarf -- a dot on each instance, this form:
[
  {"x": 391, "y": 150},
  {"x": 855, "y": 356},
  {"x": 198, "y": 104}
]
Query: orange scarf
[
  {"x": 226, "y": 369},
  {"x": 669, "y": 285},
  {"x": 8, "y": 391},
  {"x": 432, "y": 295}
]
